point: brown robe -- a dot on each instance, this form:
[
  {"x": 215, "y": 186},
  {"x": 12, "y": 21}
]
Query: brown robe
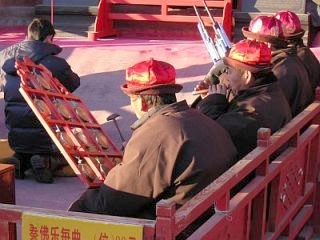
[
  {"x": 312, "y": 65},
  {"x": 260, "y": 106},
  {"x": 172, "y": 154},
  {"x": 293, "y": 79}
]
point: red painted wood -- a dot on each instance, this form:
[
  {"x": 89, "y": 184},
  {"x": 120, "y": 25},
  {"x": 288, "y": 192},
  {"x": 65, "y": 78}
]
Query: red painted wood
[
  {"x": 165, "y": 223},
  {"x": 105, "y": 16},
  {"x": 258, "y": 221},
  {"x": 7, "y": 195},
  {"x": 76, "y": 135},
  {"x": 277, "y": 203}
]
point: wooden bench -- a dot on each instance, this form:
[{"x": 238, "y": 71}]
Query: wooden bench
[
  {"x": 7, "y": 196},
  {"x": 156, "y": 11},
  {"x": 281, "y": 200}
]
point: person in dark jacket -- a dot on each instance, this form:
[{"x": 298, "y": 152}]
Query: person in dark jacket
[
  {"x": 258, "y": 100},
  {"x": 26, "y": 136},
  {"x": 293, "y": 34},
  {"x": 173, "y": 153},
  {"x": 287, "y": 67}
]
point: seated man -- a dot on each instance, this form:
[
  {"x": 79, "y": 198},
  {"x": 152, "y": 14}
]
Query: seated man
[
  {"x": 287, "y": 67},
  {"x": 293, "y": 34},
  {"x": 174, "y": 151},
  {"x": 26, "y": 136},
  {"x": 258, "y": 100}
]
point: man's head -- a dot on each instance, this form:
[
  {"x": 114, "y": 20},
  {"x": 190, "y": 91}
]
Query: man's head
[
  {"x": 291, "y": 25},
  {"x": 149, "y": 84},
  {"x": 246, "y": 59},
  {"x": 266, "y": 29},
  {"x": 41, "y": 29}
]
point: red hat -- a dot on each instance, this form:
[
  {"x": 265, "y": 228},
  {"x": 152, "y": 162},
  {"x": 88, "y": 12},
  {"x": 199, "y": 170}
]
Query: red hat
[
  {"x": 151, "y": 77},
  {"x": 250, "y": 55},
  {"x": 291, "y": 24},
  {"x": 265, "y": 29}
]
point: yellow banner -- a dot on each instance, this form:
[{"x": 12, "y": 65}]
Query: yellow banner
[{"x": 46, "y": 227}]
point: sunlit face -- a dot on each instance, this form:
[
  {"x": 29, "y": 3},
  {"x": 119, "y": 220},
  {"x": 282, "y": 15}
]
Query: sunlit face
[
  {"x": 136, "y": 105},
  {"x": 236, "y": 79}
]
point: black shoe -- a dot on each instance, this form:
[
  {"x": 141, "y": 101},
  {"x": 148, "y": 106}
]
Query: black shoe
[{"x": 41, "y": 172}]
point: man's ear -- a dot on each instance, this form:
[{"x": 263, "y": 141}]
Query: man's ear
[{"x": 247, "y": 76}]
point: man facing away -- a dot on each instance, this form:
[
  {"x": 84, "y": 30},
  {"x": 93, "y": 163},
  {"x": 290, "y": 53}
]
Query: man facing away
[
  {"x": 287, "y": 67},
  {"x": 28, "y": 139},
  {"x": 293, "y": 34},
  {"x": 173, "y": 153}
]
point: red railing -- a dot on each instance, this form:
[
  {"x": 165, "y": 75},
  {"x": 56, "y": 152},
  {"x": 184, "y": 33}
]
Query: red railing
[
  {"x": 278, "y": 196},
  {"x": 282, "y": 199},
  {"x": 105, "y": 16}
]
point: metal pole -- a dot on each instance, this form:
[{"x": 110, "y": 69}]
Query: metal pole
[
  {"x": 113, "y": 117},
  {"x": 52, "y": 3}
]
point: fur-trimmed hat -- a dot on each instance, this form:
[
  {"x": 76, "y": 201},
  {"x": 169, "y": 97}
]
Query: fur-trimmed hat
[
  {"x": 291, "y": 24},
  {"x": 249, "y": 55},
  {"x": 265, "y": 29},
  {"x": 151, "y": 77}
]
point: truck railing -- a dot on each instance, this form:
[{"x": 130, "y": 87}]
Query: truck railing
[{"x": 271, "y": 193}]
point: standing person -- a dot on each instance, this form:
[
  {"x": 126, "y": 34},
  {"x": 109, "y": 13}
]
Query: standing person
[
  {"x": 287, "y": 67},
  {"x": 26, "y": 136},
  {"x": 173, "y": 153},
  {"x": 258, "y": 100},
  {"x": 293, "y": 34}
]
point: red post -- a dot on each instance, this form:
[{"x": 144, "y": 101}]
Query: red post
[
  {"x": 263, "y": 137},
  {"x": 165, "y": 222},
  {"x": 317, "y": 97},
  {"x": 103, "y": 25},
  {"x": 52, "y": 9}
]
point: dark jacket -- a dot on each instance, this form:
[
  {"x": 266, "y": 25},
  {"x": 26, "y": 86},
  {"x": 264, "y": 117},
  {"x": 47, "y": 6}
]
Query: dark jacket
[
  {"x": 312, "y": 65},
  {"x": 26, "y": 134},
  {"x": 173, "y": 154},
  {"x": 293, "y": 79},
  {"x": 260, "y": 106}
]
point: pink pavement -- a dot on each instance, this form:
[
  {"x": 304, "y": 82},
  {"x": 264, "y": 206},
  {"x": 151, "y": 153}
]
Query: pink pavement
[{"x": 101, "y": 66}]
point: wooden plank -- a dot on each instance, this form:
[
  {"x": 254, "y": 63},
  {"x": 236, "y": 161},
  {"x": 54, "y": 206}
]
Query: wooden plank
[
  {"x": 194, "y": 207},
  {"x": 70, "y": 124},
  {"x": 310, "y": 187},
  {"x": 218, "y": 4},
  {"x": 159, "y": 17},
  {"x": 300, "y": 220},
  {"x": 7, "y": 184},
  {"x": 13, "y": 213}
]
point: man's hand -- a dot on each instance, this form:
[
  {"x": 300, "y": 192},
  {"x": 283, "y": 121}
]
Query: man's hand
[
  {"x": 201, "y": 88},
  {"x": 218, "y": 89},
  {"x": 214, "y": 73},
  {"x": 210, "y": 79}
]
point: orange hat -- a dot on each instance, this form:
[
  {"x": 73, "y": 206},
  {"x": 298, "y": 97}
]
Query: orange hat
[
  {"x": 291, "y": 24},
  {"x": 151, "y": 77},
  {"x": 250, "y": 55},
  {"x": 265, "y": 29}
]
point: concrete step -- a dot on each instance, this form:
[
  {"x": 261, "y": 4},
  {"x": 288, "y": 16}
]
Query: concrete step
[
  {"x": 16, "y": 16},
  {"x": 70, "y": 20},
  {"x": 79, "y": 19}
]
